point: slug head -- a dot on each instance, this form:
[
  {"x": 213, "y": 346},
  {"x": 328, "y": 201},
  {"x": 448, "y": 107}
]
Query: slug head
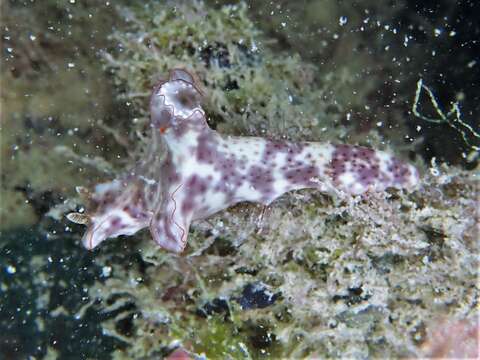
[{"x": 174, "y": 102}]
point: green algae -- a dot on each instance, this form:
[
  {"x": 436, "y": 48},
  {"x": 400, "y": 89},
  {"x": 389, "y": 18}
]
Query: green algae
[{"x": 249, "y": 89}]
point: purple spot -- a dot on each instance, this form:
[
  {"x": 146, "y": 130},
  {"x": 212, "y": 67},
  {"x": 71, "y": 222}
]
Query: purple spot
[
  {"x": 272, "y": 148},
  {"x": 187, "y": 207},
  {"x": 115, "y": 221},
  {"x": 400, "y": 171},
  {"x": 195, "y": 186},
  {"x": 363, "y": 163},
  {"x": 207, "y": 148},
  {"x": 302, "y": 175},
  {"x": 261, "y": 179}
]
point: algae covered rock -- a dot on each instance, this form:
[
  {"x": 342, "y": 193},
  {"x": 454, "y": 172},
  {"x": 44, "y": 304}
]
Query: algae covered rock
[
  {"x": 365, "y": 277},
  {"x": 250, "y": 89},
  {"x": 311, "y": 276}
]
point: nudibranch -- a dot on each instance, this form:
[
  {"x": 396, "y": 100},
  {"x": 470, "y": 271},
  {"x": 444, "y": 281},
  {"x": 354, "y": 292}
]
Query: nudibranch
[{"x": 191, "y": 172}]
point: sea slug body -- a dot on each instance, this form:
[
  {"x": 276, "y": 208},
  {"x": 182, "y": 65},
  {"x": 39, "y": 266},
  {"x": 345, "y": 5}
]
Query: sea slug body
[{"x": 204, "y": 172}]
